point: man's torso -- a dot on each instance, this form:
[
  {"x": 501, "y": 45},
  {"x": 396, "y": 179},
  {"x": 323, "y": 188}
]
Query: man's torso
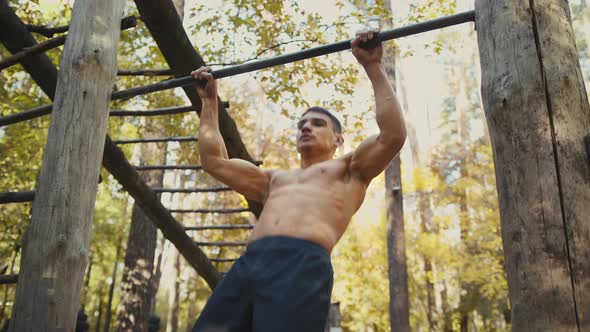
[{"x": 315, "y": 204}]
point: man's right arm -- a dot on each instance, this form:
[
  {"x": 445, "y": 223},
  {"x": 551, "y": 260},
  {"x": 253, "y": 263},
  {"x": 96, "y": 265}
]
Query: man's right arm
[{"x": 242, "y": 176}]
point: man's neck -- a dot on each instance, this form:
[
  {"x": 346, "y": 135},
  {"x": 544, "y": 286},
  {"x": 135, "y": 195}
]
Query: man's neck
[{"x": 308, "y": 161}]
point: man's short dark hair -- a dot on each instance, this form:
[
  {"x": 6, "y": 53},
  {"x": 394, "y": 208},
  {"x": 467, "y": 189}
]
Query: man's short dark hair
[{"x": 335, "y": 122}]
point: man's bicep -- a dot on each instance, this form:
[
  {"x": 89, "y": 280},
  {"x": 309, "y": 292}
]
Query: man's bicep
[
  {"x": 243, "y": 177},
  {"x": 372, "y": 157}
]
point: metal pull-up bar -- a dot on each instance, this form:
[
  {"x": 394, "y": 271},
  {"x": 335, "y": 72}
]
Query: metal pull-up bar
[{"x": 409, "y": 30}]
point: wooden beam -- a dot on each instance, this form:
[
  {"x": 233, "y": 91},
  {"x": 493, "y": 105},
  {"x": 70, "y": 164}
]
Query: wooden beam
[
  {"x": 57, "y": 242},
  {"x": 220, "y": 211},
  {"x": 47, "y": 31},
  {"x": 15, "y": 37},
  {"x": 144, "y": 72},
  {"x": 168, "y": 167},
  {"x": 167, "y": 30},
  {"x": 17, "y": 197},
  {"x": 223, "y": 260},
  {"x": 154, "y": 112},
  {"x": 538, "y": 114},
  {"x": 218, "y": 227},
  {"x": 7, "y": 279},
  {"x": 221, "y": 244},
  {"x": 158, "y": 140},
  {"x": 191, "y": 190},
  {"x": 181, "y": 167},
  {"x": 126, "y": 23},
  {"x": 46, "y": 109}
]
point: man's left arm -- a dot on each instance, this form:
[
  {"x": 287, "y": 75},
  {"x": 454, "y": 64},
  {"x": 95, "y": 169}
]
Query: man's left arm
[{"x": 376, "y": 152}]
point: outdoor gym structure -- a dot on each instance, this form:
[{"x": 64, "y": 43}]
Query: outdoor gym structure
[{"x": 535, "y": 104}]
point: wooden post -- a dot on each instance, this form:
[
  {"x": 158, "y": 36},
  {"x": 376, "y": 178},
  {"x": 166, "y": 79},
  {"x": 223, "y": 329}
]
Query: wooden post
[
  {"x": 56, "y": 245},
  {"x": 538, "y": 115}
]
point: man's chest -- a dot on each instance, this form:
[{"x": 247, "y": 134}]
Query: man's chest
[{"x": 322, "y": 175}]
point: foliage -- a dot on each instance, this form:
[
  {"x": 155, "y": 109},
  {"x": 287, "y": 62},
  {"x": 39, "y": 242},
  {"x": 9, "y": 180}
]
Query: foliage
[{"x": 461, "y": 239}]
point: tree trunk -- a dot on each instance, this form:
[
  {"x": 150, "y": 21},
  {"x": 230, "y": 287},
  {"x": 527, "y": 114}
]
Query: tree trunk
[
  {"x": 396, "y": 244},
  {"x": 136, "y": 290},
  {"x": 86, "y": 284},
  {"x": 192, "y": 295},
  {"x": 157, "y": 275},
  {"x": 100, "y": 310},
  {"x": 462, "y": 107},
  {"x": 423, "y": 198},
  {"x": 107, "y": 321},
  {"x": 57, "y": 241},
  {"x": 4, "y": 319},
  {"x": 173, "y": 300},
  {"x": 538, "y": 114}
]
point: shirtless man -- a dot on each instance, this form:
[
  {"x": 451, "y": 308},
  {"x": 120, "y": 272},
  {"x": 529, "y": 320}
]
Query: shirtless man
[{"x": 284, "y": 280}]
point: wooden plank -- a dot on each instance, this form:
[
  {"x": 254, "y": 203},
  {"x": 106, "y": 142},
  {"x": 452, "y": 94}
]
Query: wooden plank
[
  {"x": 7, "y": 279},
  {"x": 220, "y": 211},
  {"x": 17, "y": 197},
  {"x": 57, "y": 241},
  {"x": 221, "y": 243},
  {"x": 218, "y": 227},
  {"x": 144, "y": 72},
  {"x": 181, "y": 167},
  {"x": 537, "y": 113},
  {"x": 191, "y": 190},
  {"x": 223, "y": 260},
  {"x": 158, "y": 140}
]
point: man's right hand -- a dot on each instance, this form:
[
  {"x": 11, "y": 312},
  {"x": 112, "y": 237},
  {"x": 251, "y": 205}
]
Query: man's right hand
[{"x": 207, "y": 87}]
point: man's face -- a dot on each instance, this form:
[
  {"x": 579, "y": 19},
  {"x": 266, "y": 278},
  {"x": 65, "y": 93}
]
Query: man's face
[{"x": 315, "y": 132}]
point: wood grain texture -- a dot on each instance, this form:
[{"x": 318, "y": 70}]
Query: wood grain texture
[
  {"x": 57, "y": 241},
  {"x": 538, "y": 114}
]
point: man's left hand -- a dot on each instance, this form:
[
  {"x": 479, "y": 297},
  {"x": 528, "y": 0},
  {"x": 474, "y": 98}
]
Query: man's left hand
[{"x": 366, "y": 57}]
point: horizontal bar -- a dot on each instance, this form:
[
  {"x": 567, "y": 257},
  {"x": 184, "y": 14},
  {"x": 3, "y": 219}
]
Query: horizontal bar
[
  {"x": 126, "y": 23},
  {"x": 215, "y": 227},
  {"x": 220, "y": 211},
  {"x": 17, "y": 197},
  {"x": 181, "y": 167},
  {"x": 413, "y": 29},
  {"x": 25, "y": 115},
  {"x": 409, "y": 30},
  {"x": 222, "y": 260},
  {"x": 221, "y": 244},
  {"x": 46, "y": 109},
  {"x": 144, "y": 72},
  {"x": 168, "y": 167},
  {"x": 154, "y": 112},
  {"x": 158, "y": 140},
  {"x": 46, "y": 30},
  {"x": 191, "y": 190},
  {"x": 6, "y": 279}
]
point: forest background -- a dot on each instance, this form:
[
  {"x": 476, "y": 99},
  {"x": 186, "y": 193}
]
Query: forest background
[{"x": 453, "y": 243}]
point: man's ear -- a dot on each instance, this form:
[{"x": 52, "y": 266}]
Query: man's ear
[{"x": 339, "y": 140}]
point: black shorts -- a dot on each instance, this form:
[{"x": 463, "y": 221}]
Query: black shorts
[{"x": 279, "y": 284}]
